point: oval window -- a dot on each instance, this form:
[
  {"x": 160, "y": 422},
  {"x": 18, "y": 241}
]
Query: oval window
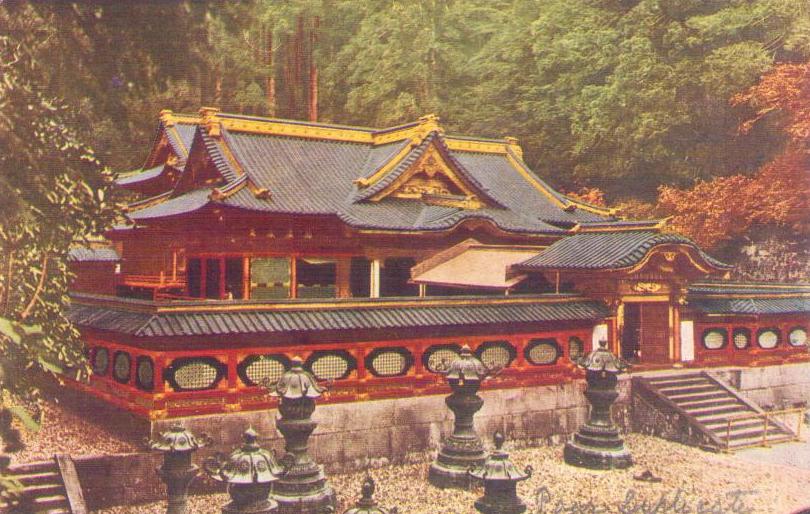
[
  {"x": 496, "y": 354},
  {"x": 195, "y": 373},
  {"x": 389, "y": 362},
  {"x": 257, "y": 370},
  {"x": 437, "y": 358},
  {"x": 742, "y": 338},
  {"x": 798, "y": 337},
  {"x": 101, "y": 361},
  {"x": 576, "y": 349},
  {"x": 768, "y": 338},
  {"x": 543, "y": 351},
  {"x": 121, "y": 367},
  {"x": 330, "y": 365},
  {"x": 145, "y": 373},
  {"x": 714, "y": 338}
]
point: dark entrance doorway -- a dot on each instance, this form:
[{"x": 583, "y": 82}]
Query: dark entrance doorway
[{"x": 645, "y": 337}]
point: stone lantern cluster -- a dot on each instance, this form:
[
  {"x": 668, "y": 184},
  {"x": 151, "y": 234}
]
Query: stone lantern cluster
[
  {"x": 260, "y": 484},
  {"x": 257, "y": 482}
]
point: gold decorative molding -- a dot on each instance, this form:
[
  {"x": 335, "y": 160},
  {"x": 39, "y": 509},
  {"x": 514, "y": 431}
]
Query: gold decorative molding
[
  {"x": 429, "y": 175},
  {"x": 211, "y": 121},
  {"x": 647, "y": 287}
]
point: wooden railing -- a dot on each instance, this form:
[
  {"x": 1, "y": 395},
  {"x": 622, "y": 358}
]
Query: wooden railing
[
  {"x": 784, "y": 434},
  {"x": 160, "y": 280}
]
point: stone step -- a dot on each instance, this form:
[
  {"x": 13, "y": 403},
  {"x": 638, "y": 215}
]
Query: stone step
[
  {"x": 56, "y": 501},
  {"x": 679, "y": 376},
  {"x": 682, "y": 390},
  {"x": 757, "y": 440},
  {"x": 719, "y": 426},
  {"x": 710, "y": 402},
  {"x": 728, "y": 410},
  {"x": 48, "y": 477},
  {"x": 743, "y": 429},
  {"x": 31, "y": 467},
  {"x": 699, "y": 396},
  {"x": 44, "y": 490},
  {"x": 722, "y": 419},
  {"x": 682, "y": 382}
]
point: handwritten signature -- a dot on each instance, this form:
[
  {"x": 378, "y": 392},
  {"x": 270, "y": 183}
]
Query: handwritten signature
[{"x": 669, "y": 502}]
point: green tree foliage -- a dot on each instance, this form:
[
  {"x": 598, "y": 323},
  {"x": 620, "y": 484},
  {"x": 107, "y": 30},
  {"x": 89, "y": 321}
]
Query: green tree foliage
[{"x": 54, "y": 191}]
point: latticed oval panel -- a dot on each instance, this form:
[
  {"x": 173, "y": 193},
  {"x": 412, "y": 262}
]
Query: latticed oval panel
[
  {"x": 542, "y": 352},
  {"x": 714, "y": 338},
  {"x": 797, "y": 336},
  {"x": 576, "y": 348},
  {"x": 257, "y": 370},
  {"x": 101, "y": 361},
  {"x": 768, "y": 338},
  {"x": 145, "y": 373},
  {"x": 496, "y": 354},
  {"x": 437, "y": 358},
  {"x": 331, "y": 364},
  {"x": 389, "y": 362},
  {"x": 122, "y": 366},
  {"x": 195, "y": 373},
  {"x": 742, "y": 338}
]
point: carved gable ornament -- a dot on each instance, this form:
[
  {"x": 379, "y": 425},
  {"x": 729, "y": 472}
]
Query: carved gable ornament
[{"x": 432, "y": 180}]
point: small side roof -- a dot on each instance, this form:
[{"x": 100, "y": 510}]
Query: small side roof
[
  {"x": 751, "y": 298},
  {"x": 594, "y": 251},
  {"x": 84, "y": 254},
  {"x": 472, "y": 265}
]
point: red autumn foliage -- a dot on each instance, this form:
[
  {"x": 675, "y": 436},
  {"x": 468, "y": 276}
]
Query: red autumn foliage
[
  {"x": 777, "y": 195},
  {"x": 590, "y": 195}
]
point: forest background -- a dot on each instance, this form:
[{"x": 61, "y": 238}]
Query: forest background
[
  {"x": 698, "y": 110},
  {"x": 687, "y": 108}
]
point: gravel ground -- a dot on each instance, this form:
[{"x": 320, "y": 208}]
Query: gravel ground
[
  {"x": 692, "y": 481},
  {"x": 64, "y": 430}
]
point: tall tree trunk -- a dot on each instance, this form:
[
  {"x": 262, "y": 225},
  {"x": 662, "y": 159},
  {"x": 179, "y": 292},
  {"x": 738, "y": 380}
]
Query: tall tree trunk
[
  {"x": 313, "y": 71},
  {"x": 289, "y": 77},
  {"x": 298, "y": 63},
  {"x": 270, "y": 87},
  {"x": 217, "y": 86}
]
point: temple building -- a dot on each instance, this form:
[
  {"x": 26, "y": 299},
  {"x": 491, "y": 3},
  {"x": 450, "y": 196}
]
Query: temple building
[{"x": 375, "y": 254}]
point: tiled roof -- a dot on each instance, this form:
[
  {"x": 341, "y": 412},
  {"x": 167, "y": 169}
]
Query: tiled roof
[
  {"x": 748, "y": 288},
  {"x": 415, "y": 313},
  {"x": 141, "y": 176},
  {"x": 317, "y": 176},
  {"x": 749, "y": 298},
  {"x": 786, "y": 305},
  {"x": 82, "y": 254},
  {"x": 605, "y": 250},
  {"x": 183, "y": 204}
]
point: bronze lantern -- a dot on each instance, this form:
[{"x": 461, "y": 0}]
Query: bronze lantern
[
  {"x": 302, "y": 488},
  {"x": 366, "y": 503},
  {"x": 500, "y": 477},
  {"x": 462, "y": 449},
  {"x": 597, "y": 444},
  {"x": 177, "y": 446},
  {"x": 249, "y": 472}
]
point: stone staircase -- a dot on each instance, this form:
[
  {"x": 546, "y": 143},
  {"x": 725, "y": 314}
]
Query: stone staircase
[
  {"x": 50, "y": 487},
  {"x": 695, "y": 408}
]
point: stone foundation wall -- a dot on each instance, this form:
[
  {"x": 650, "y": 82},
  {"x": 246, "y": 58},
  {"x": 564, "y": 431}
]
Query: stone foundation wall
[
  {"x": 771, "y": 386},
  {"x": 403, "y": 429}
]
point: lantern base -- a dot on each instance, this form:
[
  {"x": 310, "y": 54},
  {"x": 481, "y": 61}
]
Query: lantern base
[
  {"x": 265, "y": 507},
  {"x": 306, "y": 501},
  {"x": 506, "y": 505},
  {"x": 458, "y": 455},
  {"x": 608, "y": 453}
]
